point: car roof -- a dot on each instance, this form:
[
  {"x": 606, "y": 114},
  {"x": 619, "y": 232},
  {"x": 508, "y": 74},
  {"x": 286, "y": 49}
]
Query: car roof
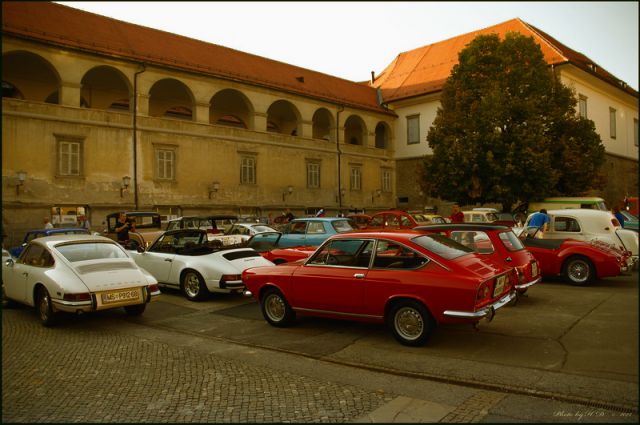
[
  {"x": 60, "y": 230},
  {"x": 463, "y": 226},
  {"x": 319, "y": 219},
  {"x": 190, "y": 230},
  {"x": 51, "y": 241},
  {"x": 580, "y": 212},
  {"x": 206, "y": 217},
  {"x": 402, "y": 235}
]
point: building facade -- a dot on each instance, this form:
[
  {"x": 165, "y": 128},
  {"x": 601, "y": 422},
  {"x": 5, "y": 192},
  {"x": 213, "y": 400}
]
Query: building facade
[{"x": 101, "y": 116}]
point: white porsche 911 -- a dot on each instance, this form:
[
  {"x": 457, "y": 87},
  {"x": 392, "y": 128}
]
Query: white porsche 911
[
  {"x": 187, "y": 260},
  {"x": 76, "y": 274}
]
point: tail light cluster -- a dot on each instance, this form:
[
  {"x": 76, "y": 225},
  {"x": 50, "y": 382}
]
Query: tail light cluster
[
  {"x": 153, "y": 288},
  {"x": 230, "y": 278},
  {"x": 84, "y": 296},
  {"x": 495, "y": 287}
]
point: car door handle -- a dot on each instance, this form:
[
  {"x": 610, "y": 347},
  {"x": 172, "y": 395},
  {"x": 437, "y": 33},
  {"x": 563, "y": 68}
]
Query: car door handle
[
  {"x": 508, "y": 259},
  {"x": 359, "y": 275},
  {"x": 25, "y": 274},
  {"x": 168, "y": 259}
]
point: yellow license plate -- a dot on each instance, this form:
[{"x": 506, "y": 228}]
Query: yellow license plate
[
  {"x": 121, "y": 296},
  {"x": 534, "y": 269},
  {"x": 501, "y": 281}
]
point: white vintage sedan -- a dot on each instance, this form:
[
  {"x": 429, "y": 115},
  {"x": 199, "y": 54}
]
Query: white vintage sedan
[
  {"x": 187, "y": 260},
  {"x": 76, "y": 274},
  {"x": 591, "y": 225}
]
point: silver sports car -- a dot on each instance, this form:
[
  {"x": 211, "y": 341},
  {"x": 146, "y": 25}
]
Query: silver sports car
[
  {"x": 76, "y": 274},
  {"x": 186, "y": 259}
]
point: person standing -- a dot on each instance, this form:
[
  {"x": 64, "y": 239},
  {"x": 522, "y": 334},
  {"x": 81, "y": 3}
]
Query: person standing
[
  {"x": 47, "y": 223},
  {"x": 456, "y": 215},
  {"x": 122, "y": 229},
  {"x": 83, "y": 222},
  {"x": 538, "y": 224}
]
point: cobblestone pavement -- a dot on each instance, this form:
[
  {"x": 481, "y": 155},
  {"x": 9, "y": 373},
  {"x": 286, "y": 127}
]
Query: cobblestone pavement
[{"x": 100, "y": 376}]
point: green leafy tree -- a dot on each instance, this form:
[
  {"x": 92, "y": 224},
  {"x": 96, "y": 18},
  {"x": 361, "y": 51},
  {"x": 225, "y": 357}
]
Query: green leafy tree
[{"x": 507, "y": 129}]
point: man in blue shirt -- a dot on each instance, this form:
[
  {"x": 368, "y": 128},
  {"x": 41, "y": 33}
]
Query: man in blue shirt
[{"x": 538, "y": 224}]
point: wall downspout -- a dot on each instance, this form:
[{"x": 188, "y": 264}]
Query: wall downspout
[
  {"x": 339, "y": 157},
  {"x": 135, "y": 136}
]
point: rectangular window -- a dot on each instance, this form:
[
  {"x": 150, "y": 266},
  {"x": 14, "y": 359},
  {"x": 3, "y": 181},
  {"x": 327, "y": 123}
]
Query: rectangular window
[
  {"x": 69, "y": 155},
  {"x": 386, "y": 180},
  {"x": 248, "y": 170},
  {"x": 635, "y": 131},
  {"x": 413, "y": 129},
  {"x": 313, "y": 175},
  {"x": 612, "y": 123},
  {"x": 356, "y": 178},
  {"x": 165, "y": 164},
  {"x": 582, "y": 106}
]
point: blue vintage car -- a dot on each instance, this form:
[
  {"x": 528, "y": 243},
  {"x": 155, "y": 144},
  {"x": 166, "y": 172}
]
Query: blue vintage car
[
  {"x": 38, "y": 233},
  {"x": 314, "y": 230}
]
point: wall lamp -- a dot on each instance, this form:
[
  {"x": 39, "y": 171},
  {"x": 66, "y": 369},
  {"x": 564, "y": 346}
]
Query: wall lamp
[
  {"x": 22, "y": 176},
  {"x": 126, "y": 181},
  {"x": 213, "y": 188},
  {"x": 289, "y": 191}
]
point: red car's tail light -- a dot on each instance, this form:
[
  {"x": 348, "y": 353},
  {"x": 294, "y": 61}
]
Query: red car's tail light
[
  {"x": 484, "y": 291},
  {"x": 85, "y": 296}
]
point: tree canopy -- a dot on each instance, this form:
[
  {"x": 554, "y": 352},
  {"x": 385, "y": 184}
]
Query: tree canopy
[{"x": 507, "y": 129}]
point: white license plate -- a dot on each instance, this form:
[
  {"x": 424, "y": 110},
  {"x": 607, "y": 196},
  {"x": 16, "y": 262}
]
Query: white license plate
[
  {"x": 120, "y": 296},
  {"x": 501, "y": 282}
]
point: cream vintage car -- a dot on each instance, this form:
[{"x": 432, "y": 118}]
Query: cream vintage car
[
  {"x": 591, "y": 225},
  {"x": 76, "y": 274}
]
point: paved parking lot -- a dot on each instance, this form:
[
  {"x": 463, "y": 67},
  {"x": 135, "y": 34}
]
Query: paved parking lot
[{"x": 563, "y": 354}]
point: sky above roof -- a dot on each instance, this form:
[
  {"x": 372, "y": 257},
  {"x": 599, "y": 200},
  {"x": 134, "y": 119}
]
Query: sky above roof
[{"x": 351, "y": 39}]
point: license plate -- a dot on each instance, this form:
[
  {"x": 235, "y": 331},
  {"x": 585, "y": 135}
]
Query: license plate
[
  {"x": 501, "y": 282},
  {"x": 121, "y": 296},
  {"x": 534, "y": 269}
]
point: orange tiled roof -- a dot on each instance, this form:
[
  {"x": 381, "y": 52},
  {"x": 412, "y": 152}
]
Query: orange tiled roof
[
  {"x": 425, "y": 69},
  {"x": 76, "y": 29}
]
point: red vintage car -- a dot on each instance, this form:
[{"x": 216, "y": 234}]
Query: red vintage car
[
  {"x": 400, "y": 220},
  {"x": 409, "y": 280},
  {"x": 266, "y": 244},
  {"x": 497, "y": 242},
  {"x": 578, "y": 262}
]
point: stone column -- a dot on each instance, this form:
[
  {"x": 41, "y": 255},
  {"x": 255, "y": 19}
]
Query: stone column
[
  {"x": 260, "y": 121},
  {"x": 306, "y": 129},
  {"x": 69, "y": 94},
  {"x": 143, "y": 104},
  {"x": 201, "y": 112}
]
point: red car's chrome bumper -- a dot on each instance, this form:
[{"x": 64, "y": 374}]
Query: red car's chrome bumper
[
  {"x": 522, "y": 286},
  {"x": 487, "y": 311}
]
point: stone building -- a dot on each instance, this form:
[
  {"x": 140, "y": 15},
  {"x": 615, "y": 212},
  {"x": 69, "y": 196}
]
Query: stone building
[{"x": 100, "y": 115}]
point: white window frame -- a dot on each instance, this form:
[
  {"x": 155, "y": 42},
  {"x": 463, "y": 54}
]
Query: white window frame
[
  {"x": 355, "y": 178},
  {"x": 582, "y": 106},
  {"x": 413, "y": 129},
  {"x": 385, "y": 184},
  {"x": 313, "y": 175},
  {"x": 70, "y": 155},
  {"x": 612, "y": 123},
  {"x": 165, "y": 159},
  {"x": 248, "y": 167}
]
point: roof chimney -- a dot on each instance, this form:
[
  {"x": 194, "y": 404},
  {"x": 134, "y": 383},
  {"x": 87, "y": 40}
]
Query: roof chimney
[{"x": 373, "y": 77}]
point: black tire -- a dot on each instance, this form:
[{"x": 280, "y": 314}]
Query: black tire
[
  {"x": 410, "y": 322},
  {"x": 44, "y": 308},
  {"x": 276, "y": 309},
  {"x": 578, "y": 270},
  {"x": 135, "y": 310},
  {"x": 192, "y": 285}
]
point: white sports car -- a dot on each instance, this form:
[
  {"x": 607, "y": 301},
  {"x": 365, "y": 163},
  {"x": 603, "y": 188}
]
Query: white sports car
[
  {"x": 76, "y": 274},
  {"x": 186, "y": 259}
]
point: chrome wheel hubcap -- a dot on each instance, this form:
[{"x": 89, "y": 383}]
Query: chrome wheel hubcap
[
  {"x": 409, "y": 323},
  {"x": 578, "y": 271},
  {"x": 275, "y": 308},
  {"x": 192, "y": 285}
]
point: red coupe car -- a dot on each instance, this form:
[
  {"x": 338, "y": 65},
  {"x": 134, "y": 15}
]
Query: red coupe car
[
  {"x": 578, "y": 262},
  {"x": 497, "y": 242},
  {"x": 409, "y": 280}
]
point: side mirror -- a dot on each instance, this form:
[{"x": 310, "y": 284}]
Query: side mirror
[{"x": 140, "y": 249}]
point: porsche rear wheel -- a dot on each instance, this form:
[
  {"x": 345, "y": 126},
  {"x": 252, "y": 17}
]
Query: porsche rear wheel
[
  {"x": 276, "y": 309},
  {"x": 44, "y": 308},
  {"x": 410, "y": 322},
  {"x": 578, "y": 270},
  {"x": 193, "y": 286}
]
